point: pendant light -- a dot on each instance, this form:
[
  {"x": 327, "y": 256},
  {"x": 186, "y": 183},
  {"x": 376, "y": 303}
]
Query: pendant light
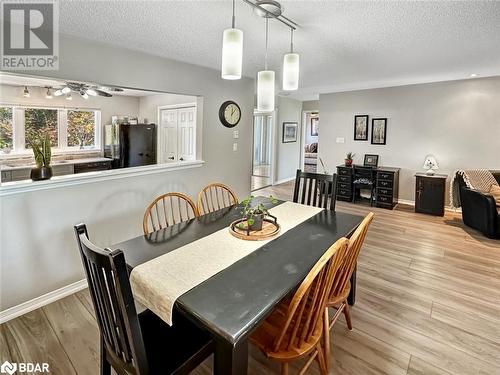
[
  {"x": 291, "y": 68},
  {"x": 232, "y": 52},
  {"x": 265, "y": 83}
]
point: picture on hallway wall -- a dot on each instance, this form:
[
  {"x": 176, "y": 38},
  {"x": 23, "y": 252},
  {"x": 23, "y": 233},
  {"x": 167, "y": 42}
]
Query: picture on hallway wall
[
  {"x": 314, "y": 126},
  {"x": 379, "y": 131},
  {"x": 289, "y": 132},
  {"x": 361, "y": 128}
]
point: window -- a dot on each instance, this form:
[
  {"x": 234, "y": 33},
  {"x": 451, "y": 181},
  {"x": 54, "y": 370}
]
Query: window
[
  {"x": 68, "y": 129},
  {"x": 81, "y": 128},
  {"x": 6, "y": 130},
  {"x": 40, "y": 121}
]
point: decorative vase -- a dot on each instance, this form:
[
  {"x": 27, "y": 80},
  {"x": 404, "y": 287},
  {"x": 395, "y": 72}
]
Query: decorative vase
[
  {"x": 348, "y": 162},
  {"x": 42, "y": 173},
  {"x": 258, "y": 219}
]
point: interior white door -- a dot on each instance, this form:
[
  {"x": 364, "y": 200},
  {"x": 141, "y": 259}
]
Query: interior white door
[
  {"x": 168, "y": 136},
  {"x": 186, "y": 128}
]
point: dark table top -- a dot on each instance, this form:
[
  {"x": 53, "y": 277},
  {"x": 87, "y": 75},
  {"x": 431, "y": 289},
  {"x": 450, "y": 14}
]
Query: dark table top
[{"x": 234, "y": 301}]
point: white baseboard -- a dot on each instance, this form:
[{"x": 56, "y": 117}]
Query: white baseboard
[
  {"x": 43, "y": 300},
  {"x": 284, "y": 180}
]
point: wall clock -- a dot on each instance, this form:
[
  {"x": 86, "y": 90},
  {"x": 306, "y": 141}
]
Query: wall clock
[{"x": 229, "y": 114}]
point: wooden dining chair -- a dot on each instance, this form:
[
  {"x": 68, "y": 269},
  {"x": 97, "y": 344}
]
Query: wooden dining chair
[
  {"x": 295, "y": 328},
  {"x": 134, "y": 343},
  {"x": 167, "y": 210},
  {"x": 315, "y": 189},
  {"x": 341, "y": 286},
  {"x": 215, "y": 196}
]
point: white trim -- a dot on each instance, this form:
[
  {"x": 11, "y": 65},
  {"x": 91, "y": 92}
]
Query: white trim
[
  {"x": 284, "y": 180},
  {"x": 18, "y": 187},
  {"x": 412, "y": 203},
  {"x": 41, "y": 301}
]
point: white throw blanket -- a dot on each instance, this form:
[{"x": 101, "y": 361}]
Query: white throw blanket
[
  {"x": 158, "y": 283},
  {"x": 477, "y": 179}
]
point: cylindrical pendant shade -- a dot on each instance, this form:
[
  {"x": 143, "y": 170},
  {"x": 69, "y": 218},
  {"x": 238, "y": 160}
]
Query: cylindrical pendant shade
[
  {"x": 265, "y": 91},
  {"x": 291, "y": 71},
  {"x": 232, "y": 54}
]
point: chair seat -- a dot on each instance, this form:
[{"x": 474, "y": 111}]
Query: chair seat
[
  {"x": 333, "y": 301},
  {"x": 175, "y": 349},
  {"x": 264, "y": 337}
]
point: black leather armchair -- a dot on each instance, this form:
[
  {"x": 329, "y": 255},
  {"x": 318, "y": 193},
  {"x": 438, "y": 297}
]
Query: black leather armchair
[{"x": 479, "y": 210}]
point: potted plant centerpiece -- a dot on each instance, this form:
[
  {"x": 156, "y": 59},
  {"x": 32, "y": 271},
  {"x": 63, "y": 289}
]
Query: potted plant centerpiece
[
  {"x": 348, "y": 159},
  {"x": 42, "y": 152},
  {"x": 255, "y": 215}
]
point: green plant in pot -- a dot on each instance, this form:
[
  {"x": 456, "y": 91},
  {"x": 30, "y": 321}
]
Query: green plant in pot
[
  {"x": 348, "y": 159},
  {"x": 43, "y": 154},
  {"x": 255, "y": 215}
]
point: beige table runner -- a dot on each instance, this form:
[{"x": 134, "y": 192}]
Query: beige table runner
[{"x": 158, "y": 283}]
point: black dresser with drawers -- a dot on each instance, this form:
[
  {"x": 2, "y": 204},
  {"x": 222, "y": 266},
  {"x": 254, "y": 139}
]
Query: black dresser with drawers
[{"x": 385, "y": 183}]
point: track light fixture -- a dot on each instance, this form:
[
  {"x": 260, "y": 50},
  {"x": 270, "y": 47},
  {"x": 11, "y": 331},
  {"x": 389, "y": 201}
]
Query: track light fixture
[{"x": 26, "y": 92}]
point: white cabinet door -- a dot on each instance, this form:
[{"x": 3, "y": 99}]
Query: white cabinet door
[
  {"x": 186, "y": 130},
  {"x": 168, "y": 136}
]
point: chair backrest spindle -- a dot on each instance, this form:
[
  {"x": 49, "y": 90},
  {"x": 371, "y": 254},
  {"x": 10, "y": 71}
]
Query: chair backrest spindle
[
  {"x": 315, "y": 189},
  {"x": 214, "y": 197}
]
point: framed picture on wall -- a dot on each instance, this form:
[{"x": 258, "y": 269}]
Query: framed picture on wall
[
  {"x": 361, "y": 128},
  {"x": 314, "y": 126},
  {"x": 379, "y": 131},
  {"x": 289, "y": 132}
]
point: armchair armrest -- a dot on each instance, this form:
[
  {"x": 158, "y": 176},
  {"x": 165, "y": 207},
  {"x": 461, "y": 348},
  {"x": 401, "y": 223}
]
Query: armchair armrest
[{"x": 479, "y": 210}]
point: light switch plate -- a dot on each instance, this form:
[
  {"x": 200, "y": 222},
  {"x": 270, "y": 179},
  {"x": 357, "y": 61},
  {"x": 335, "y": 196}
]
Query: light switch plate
[
  {"x": 236, "y": 134},
  {"x": 340, "y": 140},
  {"x": 235, "y": 147}
]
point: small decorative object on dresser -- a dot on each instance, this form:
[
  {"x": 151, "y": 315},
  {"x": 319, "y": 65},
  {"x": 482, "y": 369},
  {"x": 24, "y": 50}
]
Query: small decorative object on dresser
[
  {"x": 370, "y": 160},
  {"x": 361, "y": 128},
  {"x": 348, "y": 159},
  {"x": 379, "y": 131},
  {"x": 430, "y": 164},
  {"x": 289, "y": 132},
  {"x": 430, "y": 193}
]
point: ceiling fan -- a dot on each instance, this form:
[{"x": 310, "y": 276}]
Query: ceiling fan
[{"x": 85, "y": 90}]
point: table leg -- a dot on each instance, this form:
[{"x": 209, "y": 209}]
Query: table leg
[
  {"x": 229, "y": 359},
  {"x": 351, "y": 298}
]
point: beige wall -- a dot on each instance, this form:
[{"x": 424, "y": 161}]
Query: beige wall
[
  {"x": 458, "y": 122},
  {"x": 148, "y": 105}
]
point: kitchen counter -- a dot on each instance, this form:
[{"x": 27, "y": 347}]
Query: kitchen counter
[{"x": 8, "y": 167}]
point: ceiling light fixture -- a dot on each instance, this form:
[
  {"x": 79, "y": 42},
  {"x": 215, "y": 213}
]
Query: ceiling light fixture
[
  {"x": 48, "y": 95},
  {"x": 91, "y": 92},
  {"x": 58, "y": 92},
  {"x": 291, "y": 68},
  {"x": 265, "y": 83},
  {"x": 69, "y": 97},
  {"x": 84, "y": 95},
  {"x": 232, "y": 52},
  {"x": 66, "y": 90},
  {"x": 26, "y": 92},
  {"x": 474, "y": 75}
]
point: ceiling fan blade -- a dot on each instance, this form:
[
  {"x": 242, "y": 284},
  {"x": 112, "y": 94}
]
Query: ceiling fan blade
[{"x": 102, "y": 93}]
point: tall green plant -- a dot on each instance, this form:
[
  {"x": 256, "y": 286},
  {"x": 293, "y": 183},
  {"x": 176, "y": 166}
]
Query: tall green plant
[{"x": 41, "y": 150}]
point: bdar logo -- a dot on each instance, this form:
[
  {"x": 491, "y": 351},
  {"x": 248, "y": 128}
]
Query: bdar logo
[{"x": 8, "y": 368}]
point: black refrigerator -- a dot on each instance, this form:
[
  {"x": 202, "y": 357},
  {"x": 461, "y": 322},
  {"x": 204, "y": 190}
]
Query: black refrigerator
[{"x": 130, "y": 145}]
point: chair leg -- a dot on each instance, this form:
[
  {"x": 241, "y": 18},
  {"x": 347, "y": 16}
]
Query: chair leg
[
  {"x": 347, "y": 314},
  {"x": 284, "y": 368},
  {"x": 105, "y": 365},
  {"x": 326, "y": 337},
  {"x": 321, "y": 360}
]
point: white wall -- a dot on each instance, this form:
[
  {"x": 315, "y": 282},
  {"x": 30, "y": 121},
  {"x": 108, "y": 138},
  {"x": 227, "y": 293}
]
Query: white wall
[
  {"x": 310, "y": 105},
  {"x": 309, "y": 138},
  {"x": 148, "y": 105},
  {"x": 38, "y": 248},
  {"x": 458, "y": 122},
  {"x": 116, "y": 105},
  {"x": 287, "y": 154}
]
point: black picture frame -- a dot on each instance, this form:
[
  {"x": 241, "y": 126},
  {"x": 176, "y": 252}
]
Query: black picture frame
[
  {"x": 360, "y": 134},
  {"x": 314, "y": 126},
  {"x": 370, "y": 160},
  {"x": 289, "y": 137},
  {"x": 379, "y": 131}
]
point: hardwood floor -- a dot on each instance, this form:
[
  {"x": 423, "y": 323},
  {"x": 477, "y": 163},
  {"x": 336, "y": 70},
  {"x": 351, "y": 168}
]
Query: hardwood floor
[{"x": 428, "y": 303}]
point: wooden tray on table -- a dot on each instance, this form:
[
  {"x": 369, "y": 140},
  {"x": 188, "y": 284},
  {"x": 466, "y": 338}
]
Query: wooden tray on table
[{"x": 270, "y": 228}]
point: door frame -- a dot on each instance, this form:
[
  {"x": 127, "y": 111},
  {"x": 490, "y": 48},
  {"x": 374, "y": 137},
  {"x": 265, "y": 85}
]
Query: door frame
[
  {"x": 158, "y": 117},
  {"x": 272, "y": 159},
  {"x": 303, "y": 138}
]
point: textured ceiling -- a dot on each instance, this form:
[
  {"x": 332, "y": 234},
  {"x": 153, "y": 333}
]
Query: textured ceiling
[{"x": 343, "y": 45}]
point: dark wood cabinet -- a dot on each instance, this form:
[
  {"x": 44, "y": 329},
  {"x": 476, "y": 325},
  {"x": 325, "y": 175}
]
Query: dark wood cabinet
[
  {"x": 430, "y": 194},
  {"x": 92, "y": 166},
  {"x": 385, "y": 179}
]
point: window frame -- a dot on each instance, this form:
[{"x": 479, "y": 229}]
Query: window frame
[{"x": 18, "y": 130}]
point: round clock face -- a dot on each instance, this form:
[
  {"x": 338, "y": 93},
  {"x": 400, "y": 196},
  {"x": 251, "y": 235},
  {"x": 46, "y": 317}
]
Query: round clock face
[{"x": 230, "y": 114}]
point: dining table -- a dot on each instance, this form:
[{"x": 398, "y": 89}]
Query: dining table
[{"x": 233, "y": 302}]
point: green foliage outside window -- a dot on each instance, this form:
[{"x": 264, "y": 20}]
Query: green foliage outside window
[
  {"x": 81, "y": 128},
  {"x": 38, "y": 122},
  {"x": 6, "y": 135}
]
